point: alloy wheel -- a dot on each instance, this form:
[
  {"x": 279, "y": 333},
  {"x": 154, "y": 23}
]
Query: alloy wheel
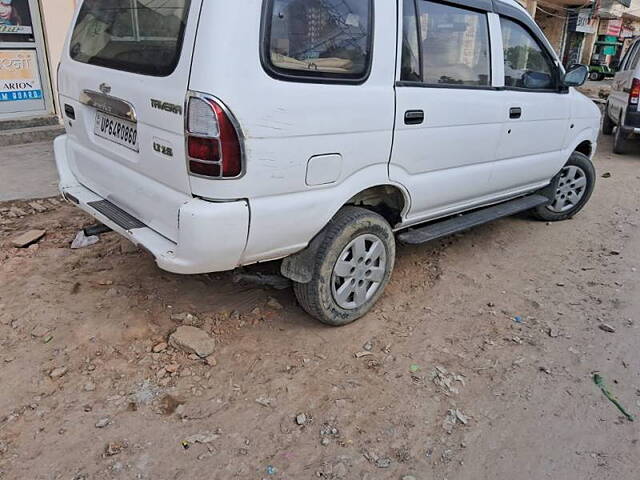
[
  {"x": 359, "y": 271},
  {"x": 571, "y": 188}
]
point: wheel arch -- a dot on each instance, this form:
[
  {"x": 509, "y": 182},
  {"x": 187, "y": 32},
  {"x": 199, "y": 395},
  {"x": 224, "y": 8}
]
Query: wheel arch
[
  {"x": 584, "y": 142},
  {"x": 585, "y": 147},
  {"x": 389, "y": 200}
]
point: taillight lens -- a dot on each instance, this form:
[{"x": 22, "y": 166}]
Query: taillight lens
[
  {"x": 213, "y": 143},
  {"x": 634, "y": 95},
  {"x": 207, "y": 149}
]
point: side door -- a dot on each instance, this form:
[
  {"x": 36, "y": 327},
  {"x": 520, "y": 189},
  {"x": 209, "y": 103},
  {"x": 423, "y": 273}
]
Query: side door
[
  {"x": 447, "y": 121},
  {"x": 621, "y": 84},
  {"x": 537, "y": 111}
]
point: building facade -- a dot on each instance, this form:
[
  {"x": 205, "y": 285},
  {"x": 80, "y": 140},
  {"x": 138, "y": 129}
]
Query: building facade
[
  {"x": 593, "y": 33},
  {"x": 32, "y": 34}
]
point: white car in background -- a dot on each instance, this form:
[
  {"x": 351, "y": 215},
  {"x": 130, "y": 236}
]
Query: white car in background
[{"x": 621, "y": 111}]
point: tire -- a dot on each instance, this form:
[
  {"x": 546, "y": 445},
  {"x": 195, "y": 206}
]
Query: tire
[
  {"x": 607, "y": 123},
  {"x": 341, "y": 289},
  {"x": 594, "y": 76},
  {"x": 575, "y": 186},
  {"x": 620, "y": 140}
]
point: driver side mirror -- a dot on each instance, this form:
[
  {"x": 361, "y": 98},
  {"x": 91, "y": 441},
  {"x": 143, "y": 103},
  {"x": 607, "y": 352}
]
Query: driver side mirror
[{"x": 575, "y": 76}]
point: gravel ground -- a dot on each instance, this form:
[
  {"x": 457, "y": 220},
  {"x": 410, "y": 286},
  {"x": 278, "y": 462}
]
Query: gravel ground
[{"x": 439, "y": 382}]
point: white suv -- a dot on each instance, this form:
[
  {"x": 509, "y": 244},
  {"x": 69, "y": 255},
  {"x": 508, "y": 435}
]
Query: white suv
[{"x": 217, "y": 134}]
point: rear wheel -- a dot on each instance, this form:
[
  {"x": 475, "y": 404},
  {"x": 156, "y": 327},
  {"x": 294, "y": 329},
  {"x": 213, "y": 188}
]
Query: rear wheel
[
  {"x": 594, "y": 76},
  {"x": 620, "y": 140},
  {"x": 352, "y": 267},
  {"x": 575, "y": 185},
  {"x": 607, "y": 123}
]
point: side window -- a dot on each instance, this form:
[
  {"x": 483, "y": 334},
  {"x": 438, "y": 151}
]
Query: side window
[
  {"x": 526, "y": 65},
  {"x": 319, "y": 38},
  {"x": 453, "y": 44},
  {"x": 410, "y": 68},
  {"x": 626, "y": 56},
  {"x": 633, "y": 58}
]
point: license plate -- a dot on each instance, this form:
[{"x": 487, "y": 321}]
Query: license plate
[{"x": 117, "y": 130}]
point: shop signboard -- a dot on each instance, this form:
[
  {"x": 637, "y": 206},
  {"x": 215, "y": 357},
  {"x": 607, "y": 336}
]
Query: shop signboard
[
  {"x": 15, "y": 17},
  {"x": 585, "y": 23},
  {"x": 613, "y": 27},
  {"x": 582, "y": 21},
  {"x": 19, "y": 76}
]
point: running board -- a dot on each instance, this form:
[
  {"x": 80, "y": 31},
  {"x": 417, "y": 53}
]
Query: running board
[{"x": 465, "y": 221}]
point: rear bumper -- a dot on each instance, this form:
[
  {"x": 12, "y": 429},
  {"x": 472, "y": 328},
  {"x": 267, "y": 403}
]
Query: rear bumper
[{"x": 211, "y": 236}]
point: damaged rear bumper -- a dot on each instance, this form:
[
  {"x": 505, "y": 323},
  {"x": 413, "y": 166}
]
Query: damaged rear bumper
[{"x": 211, "y": 236}]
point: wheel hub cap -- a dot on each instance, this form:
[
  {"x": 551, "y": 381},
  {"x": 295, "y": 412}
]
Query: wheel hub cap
[
  {"x": 571, "y": 188},
  {"x": 359, "y": 271}
]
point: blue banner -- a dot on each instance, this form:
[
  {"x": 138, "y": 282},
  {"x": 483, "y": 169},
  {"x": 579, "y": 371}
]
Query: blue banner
[{"x": 20, "y": 95}]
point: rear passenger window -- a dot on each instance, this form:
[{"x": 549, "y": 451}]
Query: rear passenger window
[
  {"x": 453, "y": 43},
  {"x": 319, "y": 38},
  {"x": 525, "y": 63}
]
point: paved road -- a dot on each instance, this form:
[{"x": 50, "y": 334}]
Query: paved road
[{"x": 28, "y": 171}]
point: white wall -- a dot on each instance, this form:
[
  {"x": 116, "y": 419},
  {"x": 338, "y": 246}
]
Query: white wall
[{"x": 56, "y": 19}]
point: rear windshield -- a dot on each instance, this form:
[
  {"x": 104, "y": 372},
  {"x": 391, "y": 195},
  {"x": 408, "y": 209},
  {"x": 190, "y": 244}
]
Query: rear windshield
[{"x": 139, "y": 36}]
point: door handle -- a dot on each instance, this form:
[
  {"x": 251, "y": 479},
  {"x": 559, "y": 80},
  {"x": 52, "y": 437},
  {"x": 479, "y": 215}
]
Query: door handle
[
  {"x": 414, "y": 117},
  {"x": 515, "y": 112}
]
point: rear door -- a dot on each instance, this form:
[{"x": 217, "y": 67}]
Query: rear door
[
  {"x": 448, "y": 117},
  {"x": 123, "y": 83}
]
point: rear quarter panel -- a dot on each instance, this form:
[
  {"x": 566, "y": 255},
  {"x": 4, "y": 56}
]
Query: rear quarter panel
[{"x": 286, "y": 123}]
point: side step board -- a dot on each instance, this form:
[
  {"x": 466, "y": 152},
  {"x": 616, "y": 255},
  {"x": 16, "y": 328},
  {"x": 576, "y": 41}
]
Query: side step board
[{"x": 465, "y": 221}]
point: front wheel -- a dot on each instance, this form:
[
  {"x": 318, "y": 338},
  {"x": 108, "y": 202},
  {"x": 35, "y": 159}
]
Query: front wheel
[
  {"x": 594, "y": 76},
  {"x": 352, "y": 267},
  {"x": 574, "y": 188}
]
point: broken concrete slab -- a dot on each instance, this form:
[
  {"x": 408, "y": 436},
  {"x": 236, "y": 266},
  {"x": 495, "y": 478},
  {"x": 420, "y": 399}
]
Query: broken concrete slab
[
  {"x": 192, "y": 340},
  {"x": 28, "y": 238}
]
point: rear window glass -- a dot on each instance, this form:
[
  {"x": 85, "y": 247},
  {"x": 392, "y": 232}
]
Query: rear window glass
[
  {"x": 139, "y": 36},
  {"x": 319, "y": 38}
]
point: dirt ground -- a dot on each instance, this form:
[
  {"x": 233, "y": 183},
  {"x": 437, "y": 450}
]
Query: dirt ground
[{"x": 447, "y": 384}]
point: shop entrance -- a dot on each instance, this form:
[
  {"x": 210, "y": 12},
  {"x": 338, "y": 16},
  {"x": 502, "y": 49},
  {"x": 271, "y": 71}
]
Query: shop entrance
[
  {"x": 25, "y": 88},
  {"x": 573, "y": 48}
]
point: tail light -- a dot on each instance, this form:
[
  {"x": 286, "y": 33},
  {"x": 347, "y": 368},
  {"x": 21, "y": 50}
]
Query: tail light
[
  {"x": 213, "y": 142},
  {"x": 634, "y": 94}
]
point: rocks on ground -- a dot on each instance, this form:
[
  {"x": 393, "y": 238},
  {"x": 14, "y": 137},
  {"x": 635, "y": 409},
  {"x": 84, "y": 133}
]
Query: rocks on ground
[
  {"x": 103, "y": 422},
  {"x": 28, "y": 238},
  {"x": 58, "y": 372},
  {"x": 192, "y": 340}
]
